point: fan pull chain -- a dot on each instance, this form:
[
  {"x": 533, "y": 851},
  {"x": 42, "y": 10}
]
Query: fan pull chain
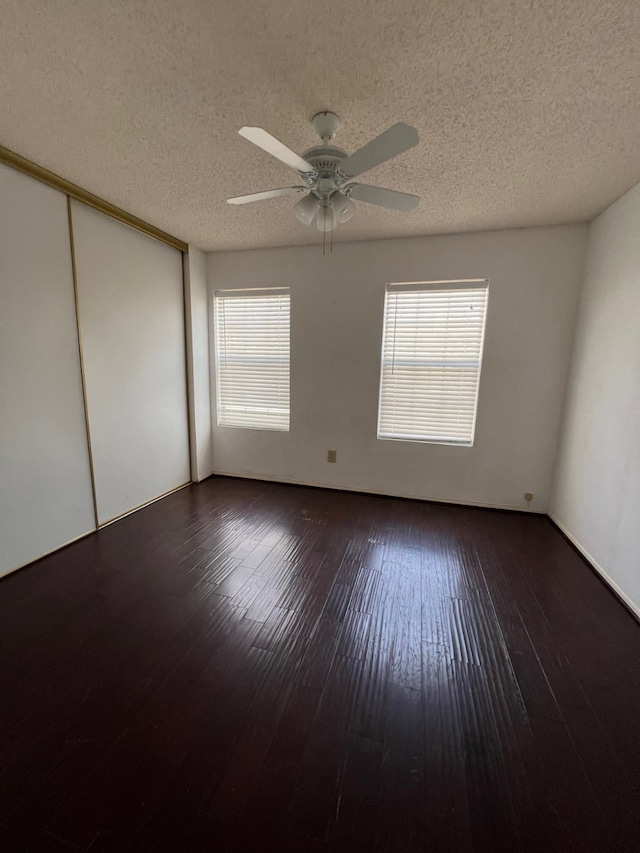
[
  {"x": 324, "y": 233},
  {"x": 324, "y": 230}
]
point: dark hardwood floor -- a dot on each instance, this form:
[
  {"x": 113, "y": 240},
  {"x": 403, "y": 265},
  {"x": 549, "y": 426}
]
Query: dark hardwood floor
[{"x": 246, "y": 666}]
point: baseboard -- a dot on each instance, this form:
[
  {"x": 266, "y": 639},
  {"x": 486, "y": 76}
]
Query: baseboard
[
  {"x": 358, "y": 490},
  {"x": 595, "y": 565}
]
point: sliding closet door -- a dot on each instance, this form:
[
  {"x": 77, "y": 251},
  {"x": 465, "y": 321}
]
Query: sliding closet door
[
  {"x": 131, "y": 311},
  {"x": 45, "y": 482}
]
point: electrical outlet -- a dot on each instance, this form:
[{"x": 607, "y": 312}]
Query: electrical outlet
[
  {"x": 528, "y": 496},
  {"x": 331, "y": 455}
]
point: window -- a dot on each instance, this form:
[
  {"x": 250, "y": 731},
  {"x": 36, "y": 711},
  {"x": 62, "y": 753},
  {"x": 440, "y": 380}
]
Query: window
[
  {"x": 431, "y": 357},
  {"x": 252, "y": 358}
]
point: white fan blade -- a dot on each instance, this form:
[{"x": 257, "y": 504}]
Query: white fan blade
[
  {"x": 276, "y": 148},
  {"x": 384, "y": 198},
  {"x": 245, "y": 199},
  {"x": 398, "y": 138}
]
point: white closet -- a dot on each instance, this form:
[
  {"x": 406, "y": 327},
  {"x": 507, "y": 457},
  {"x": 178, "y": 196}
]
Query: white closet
[
  {"x": 45, "y": 481},
  {"x": 93, "y": 383},
  {"x": 131, "y": 314}
]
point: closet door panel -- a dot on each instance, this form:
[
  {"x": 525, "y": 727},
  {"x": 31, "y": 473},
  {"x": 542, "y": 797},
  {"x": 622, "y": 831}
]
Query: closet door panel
[
  {"x": 45, "y": 481},
  {"x": 131, "y": 309}
]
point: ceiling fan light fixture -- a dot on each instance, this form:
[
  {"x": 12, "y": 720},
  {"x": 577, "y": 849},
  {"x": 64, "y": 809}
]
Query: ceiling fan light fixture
[
  {"x": 343, "y": 207},
  {"x": 306, "y": 209}
]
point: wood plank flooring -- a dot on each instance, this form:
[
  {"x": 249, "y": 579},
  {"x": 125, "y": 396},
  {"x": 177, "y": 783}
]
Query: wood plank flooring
[{"x": 246, "y": 666}]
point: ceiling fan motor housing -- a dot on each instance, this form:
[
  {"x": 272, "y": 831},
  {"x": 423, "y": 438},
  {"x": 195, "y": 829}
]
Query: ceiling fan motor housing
[
  {"x": 328, "y": 185},
  {"x": 326, "y": 161}
]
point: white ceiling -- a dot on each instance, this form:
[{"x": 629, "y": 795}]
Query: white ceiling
[{"x": 528, "y": 112}]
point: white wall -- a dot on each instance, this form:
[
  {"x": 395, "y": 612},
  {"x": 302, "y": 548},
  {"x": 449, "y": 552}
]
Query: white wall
[
  {"x": 336, "y": 315},
  {"x": 596, "y": 497},
  {"x": 131, "y": 311},
  {"x": 45, "y": 484},
  {"x": 198, "y": 360}
]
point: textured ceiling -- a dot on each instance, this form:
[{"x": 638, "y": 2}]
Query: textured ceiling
[{"x": 528, "y": 112}]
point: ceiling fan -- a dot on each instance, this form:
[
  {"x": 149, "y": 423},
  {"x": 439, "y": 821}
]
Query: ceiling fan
[{"x": 327, "y": 172}]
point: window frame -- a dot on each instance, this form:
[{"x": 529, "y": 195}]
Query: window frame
[
  {"x": 240, "y": 293},
  {"x": 437, "y": 285}
]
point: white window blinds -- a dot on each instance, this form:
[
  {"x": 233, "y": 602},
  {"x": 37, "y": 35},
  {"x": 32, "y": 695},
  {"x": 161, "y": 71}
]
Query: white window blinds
[
  {"x": 431, "y": 355},
  {"x": 252, "y": 358}
]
